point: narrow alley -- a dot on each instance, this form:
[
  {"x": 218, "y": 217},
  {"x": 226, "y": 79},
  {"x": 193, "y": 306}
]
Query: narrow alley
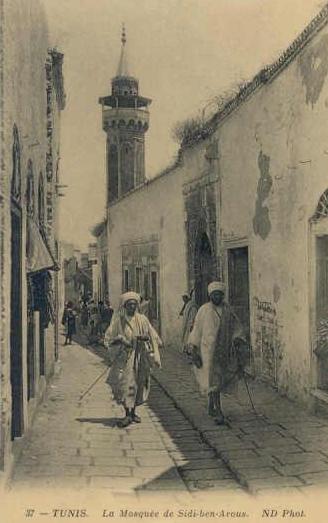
[
  {"x": 77, "y": 443},
  {"x": 164, "y": 231},
  {"x": 177, "y": 448}
]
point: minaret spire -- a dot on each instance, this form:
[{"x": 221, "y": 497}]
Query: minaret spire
[
  {"x": 123, "y": 69},
  {"x": 123, "y": 38}
]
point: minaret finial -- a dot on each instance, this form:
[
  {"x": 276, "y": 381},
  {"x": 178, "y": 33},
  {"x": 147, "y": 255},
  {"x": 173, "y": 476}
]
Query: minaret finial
[
  {"x": 123, "y": 69},
  {"x": 123, "y": 38}
]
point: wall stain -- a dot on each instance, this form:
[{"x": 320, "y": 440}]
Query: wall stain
[
  {"x": 314, "y": 69},
  {"x": 301, "y": 213},
  {"x": 276, "y": 293},
  {"x": 261, "y": 220},
  {"x": 267, "y": 344},
  {"x": 110, "y": 224}
]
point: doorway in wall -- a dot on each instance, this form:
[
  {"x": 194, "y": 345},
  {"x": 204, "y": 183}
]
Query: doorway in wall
[
  {"x": 154, "y": 300},
  {"x": 203, "y": 268},
  {"x": 16, "y": 357},
  {"x": 238, "y": 280}
]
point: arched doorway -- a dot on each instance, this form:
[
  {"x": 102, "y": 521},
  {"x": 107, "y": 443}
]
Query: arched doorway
[
  {"x": 16, "y": 362},
  {"x": 203, "y": 267}
]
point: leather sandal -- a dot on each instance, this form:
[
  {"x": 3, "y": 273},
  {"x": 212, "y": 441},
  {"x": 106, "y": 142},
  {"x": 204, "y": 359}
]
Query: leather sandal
[
  {"x": 124, "y": 422},
  {"x": 135, "y": 418},
  {"x": 220, "y": 419}
]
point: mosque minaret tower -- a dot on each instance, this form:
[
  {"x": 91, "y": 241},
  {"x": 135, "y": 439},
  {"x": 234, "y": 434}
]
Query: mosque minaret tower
[{"x": 125, "y": 121}]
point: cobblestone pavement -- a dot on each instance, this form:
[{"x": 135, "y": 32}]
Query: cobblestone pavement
[
  {"x": 77, "y": 444},
  {"x": 280, "y": 448}
]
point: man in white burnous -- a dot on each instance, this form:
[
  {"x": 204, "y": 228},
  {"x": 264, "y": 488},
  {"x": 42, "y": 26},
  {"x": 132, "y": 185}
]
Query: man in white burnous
[
  {"x": 132, "y": 345},
  {"x": 218, "y": 349}
]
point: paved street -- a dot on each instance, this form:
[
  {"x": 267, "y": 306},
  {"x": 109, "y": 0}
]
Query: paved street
[
  {"x": 278, "y": 448},
  {"x": 77, "y": 444},
  {"x": 177, "y": 447}
]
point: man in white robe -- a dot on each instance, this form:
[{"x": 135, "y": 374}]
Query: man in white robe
[
  {"x": 188, "y": 313},
  {"x": 214, "y": 345},
  {"x": 133, "y": 350}
]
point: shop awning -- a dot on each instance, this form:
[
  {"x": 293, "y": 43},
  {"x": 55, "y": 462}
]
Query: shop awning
[{"x": 38, "y": 254}]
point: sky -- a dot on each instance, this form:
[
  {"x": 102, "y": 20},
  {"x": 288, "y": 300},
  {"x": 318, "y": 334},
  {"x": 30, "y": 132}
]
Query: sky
[{"x": 184, "y": 53}]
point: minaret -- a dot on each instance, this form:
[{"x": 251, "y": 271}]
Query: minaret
[{"x": 125, "y": 121}]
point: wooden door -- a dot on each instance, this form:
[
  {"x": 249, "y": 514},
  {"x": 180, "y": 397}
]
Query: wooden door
[
  {"x": 30, "y": 356},
  {"x": 154, "y": 301},
  {"x": 239, "y": 285},
  {"x": 203, "y": 268},
  {"x": 16, "y": 361}
]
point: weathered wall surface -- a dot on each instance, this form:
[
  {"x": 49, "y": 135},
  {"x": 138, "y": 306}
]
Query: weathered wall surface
[
  {"x": 4, "y": 260},
  {"x": 200, "y": 195},
  {"x": 24, "y": 105},
  {"x": 273, "y": 165},
  {"x": 153, "y": 213},
  {"x": 254, "y": 183}
]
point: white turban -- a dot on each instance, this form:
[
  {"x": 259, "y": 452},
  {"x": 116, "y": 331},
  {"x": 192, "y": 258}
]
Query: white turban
[
  {"x": 215, "y": 286},
  {"x": 130, "y": 296}
]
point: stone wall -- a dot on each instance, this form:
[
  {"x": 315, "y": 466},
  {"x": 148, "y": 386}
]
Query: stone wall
[
  {"x": 252, "y": 182},
  {"x": 24, "y": 114}
]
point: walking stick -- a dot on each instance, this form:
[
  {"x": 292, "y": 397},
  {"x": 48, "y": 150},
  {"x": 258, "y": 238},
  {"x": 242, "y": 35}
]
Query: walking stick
[
  {"x": 248, "y": 392},
  {"x": 93, "y": 384}
]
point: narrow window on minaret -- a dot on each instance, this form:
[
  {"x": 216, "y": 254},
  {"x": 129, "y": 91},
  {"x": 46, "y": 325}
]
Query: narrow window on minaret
[{"x": 112, "y": 173}]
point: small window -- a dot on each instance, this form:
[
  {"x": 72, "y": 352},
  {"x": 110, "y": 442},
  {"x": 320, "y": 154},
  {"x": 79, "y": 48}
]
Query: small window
[
  {"x": 146, "y": 286},
  {"x": 30, "y": 190},
  {"x": 138, "y": 279},
  {"x": 41, "y": 206},
  {"x": 16, "y": 173},
  {"x": 154, "y": 297},
  {"x": 126, "y": 280}
]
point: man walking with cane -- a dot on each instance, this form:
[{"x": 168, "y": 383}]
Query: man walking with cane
[
  {"x": 218, "y": 349},
  {"x": 132, "y": 345}
]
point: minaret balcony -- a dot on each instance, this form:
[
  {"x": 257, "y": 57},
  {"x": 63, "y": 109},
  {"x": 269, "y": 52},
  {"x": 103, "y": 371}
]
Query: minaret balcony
[{"x": 125, "y": 118}]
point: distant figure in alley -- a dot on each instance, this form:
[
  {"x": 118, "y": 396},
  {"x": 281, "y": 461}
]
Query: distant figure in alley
[
  {"x": 188, "y": 313},
  {"x": 217, "y": 347},
  {"x": 133, "y": 350},
  {"x": 144, "y": 306},
  {"x": 69, "y": 321}
]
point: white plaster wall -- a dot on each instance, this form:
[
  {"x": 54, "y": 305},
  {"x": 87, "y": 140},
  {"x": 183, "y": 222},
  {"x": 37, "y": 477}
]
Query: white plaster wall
[
  {"x": 283, "y": 124},
  {"x": 154, "y": 211},
  {"x": 278, "y": 121}
]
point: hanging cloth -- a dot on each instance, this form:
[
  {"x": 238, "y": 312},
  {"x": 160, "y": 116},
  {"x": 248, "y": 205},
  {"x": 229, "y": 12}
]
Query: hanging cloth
[{"x": 38, "y": 254}]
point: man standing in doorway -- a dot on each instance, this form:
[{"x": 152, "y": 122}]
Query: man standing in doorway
[{"x": 218, "y": 349}]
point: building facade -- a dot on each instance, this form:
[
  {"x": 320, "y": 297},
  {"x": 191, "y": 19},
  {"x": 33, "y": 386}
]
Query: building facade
[
  {"x": 32, "y": 98},
  {"x": 100, "y": 288},
  {"x": 78, "y": 281},
  {"x": 246, "y": 202}
]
